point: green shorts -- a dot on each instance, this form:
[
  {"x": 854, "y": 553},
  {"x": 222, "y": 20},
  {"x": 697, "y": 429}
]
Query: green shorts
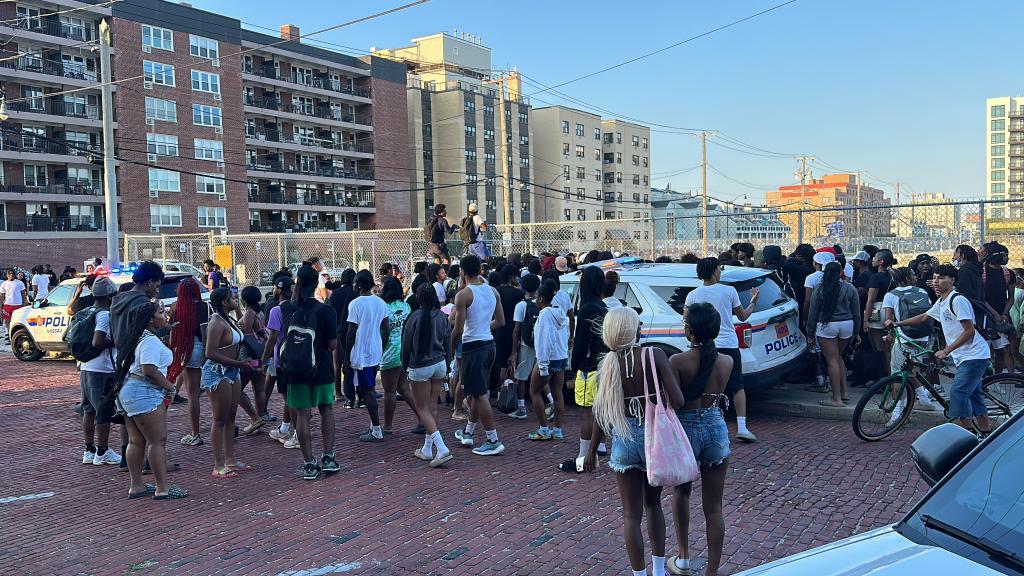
[{"x": 305, "y": 396}]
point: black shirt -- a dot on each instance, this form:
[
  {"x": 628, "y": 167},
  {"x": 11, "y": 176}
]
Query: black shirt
[
  {"x": 796, "y": 272},
  {"x": 995, "y": 287},
  {"x": 883, "y": 281},
  {"x": 588, "y": 345},
  {"x": 339, "y": 301},
  {"x": 326, "y": 330},
  {"x": 968, "y": 281}
]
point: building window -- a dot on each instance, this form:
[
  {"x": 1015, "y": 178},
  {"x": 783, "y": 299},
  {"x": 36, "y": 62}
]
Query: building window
[
  {"x": 998, "y": 175},
  {"x": 205, "y": 82},
  {"x": 618, "y": 157},
  {"x": 213, "y": 217},
  {"x": 636, "y": 141},
  {"x": 203, "y": 47},
  {"x": 565, "y": 148},
  {"x": 998, "y": 137},
  {"x": 159, "y": 109},
  {"x": 645, "y": 143},
  {"x": 164, "y": 180},
  {"x": 609, "y": 215},
  {"x": 581, "y": 193},
  {"x": 618, "y": 177},
  {"x": 524, "y": 162},
  {"x": 524, "y": 118},
  {"x": 157, "y": 73},
  {"x": 303, "y": 76},
  {"x": 618, "y": 137},
  {"x": 524, "y": 140},
  {"x": 581, "y": 214},
  {"x": 206, "y": 115},
  {"x": 609, "y": 177},
  {"x": 581, "y": 173},
  {"x": 566, "y": 192},
  {"x": 469, "y": 105},
  {"x": 210, "y": 183},
  {"x": 488, "y": 134},
  {"x": 608, "y": 138},
  {"x": 471, "y": 155},
  {"x": 159, "y": 38},
  {"x": 998, "y": 188},
  {"x": 998, "y": 111},
  {"x": 597, "y": 174},
  {"x": 565, "y": 171},
  {"x": 488, "y": 109},
  {"x": 646, "y": 180},
  {"x": 162, "y": 144},
  {"x": 488, "y": 157},
  {"x": 565, "y": 126},
  {"x": 597, "y": 133},
  {"x": 999, "y": 150},
  {"x": 644, "y": 161},
  {"x": 471, "y": 179},
  {"x": 597, "y": 154},
  {"x": 580, "y": 151},
  {"x": 998, "y": 125},
  {"x": 35, "y": 175},
  {"x": 636, "y": 160},
  {"x": 998, "y": 163},
  {"x": 636, "y": 215},
  {"x": 209, "y": 150},
  {"x": 164, "y": 215},
  {"x": 567, "y": 213},
  {"x": 636, "y": 181},
  {"x": 580, "y": 130},
  {"x": 471, "y": 131}
]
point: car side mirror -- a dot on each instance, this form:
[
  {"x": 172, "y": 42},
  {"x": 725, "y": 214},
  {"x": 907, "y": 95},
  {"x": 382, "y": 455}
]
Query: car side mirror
[{"x": 940, "y": 449}]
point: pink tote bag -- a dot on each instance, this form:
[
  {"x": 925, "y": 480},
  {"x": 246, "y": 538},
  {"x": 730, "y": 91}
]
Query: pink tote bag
[{"x": 670, "y": 460}]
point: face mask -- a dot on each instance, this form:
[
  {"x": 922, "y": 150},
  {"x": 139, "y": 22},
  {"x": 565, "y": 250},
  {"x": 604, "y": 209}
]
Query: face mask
[{"x": 956, "y": 262}]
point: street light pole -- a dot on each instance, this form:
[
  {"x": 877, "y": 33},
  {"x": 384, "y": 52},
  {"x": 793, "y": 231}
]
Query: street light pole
[{"x": 109, "y": 172}]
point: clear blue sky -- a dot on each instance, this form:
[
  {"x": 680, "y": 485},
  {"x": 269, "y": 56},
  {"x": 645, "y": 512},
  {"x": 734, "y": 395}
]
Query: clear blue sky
[{"x": 894, "y": 88}]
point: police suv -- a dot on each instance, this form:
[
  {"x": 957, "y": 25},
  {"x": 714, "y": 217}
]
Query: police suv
[
  {"x": 770, "y": 339},
  {"x": 38, "y": 329}
]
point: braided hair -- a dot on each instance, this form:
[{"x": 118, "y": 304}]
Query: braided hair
[
  {"x": 183, "y": 336},
  {"x": 704, "y": 324},
  {"x": 828, "y": 292},
  {"x": 138, "y": 320},
  {"x": 217, "y": 299}
]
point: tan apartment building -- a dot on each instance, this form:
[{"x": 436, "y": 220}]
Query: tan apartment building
[
  {"x": 832, "y": 208},
  {"x": 51, "y": 187},
  {"x": 627, "y": 172},
  {"x": 469, "y": 131},
  {"x": 568, "y": 151},
  {"x": 1004, "y": 155}
]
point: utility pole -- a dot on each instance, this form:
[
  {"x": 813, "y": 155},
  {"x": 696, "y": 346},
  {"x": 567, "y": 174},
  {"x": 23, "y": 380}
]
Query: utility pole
[
  {"x": 704, "y": 188},
  {"x": 802, "y": 174},
  {"x": 858, "y": 184},
  {"x": 109, "y": 171}
]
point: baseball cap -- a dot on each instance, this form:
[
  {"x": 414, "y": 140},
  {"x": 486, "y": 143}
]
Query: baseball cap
[
  {"x": 848, "y": 270},
  {"x": 285, "y": 285},
  {"x": 862, "y": 256},
  {"x": 472, "y": 207},
  {"x": 103, "y": 287},
  {"x": 823, "y": 258},
  {"x": 561, "y": 264}
]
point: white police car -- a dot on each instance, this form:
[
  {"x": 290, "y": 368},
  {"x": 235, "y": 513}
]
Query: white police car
[
  {"x": 38, "y": 329},
  {"x": 770, "y": 339}
]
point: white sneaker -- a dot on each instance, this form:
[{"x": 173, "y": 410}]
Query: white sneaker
[
  {"x": 87, "y": 457},
  {"x": 281, "y": 437},
  {"x": 897, "y": 413},
  {"x": 926, "y": 404},
  {"x": 746, "y": 436},
  {"x": 109, "y": 457},
  {"x": 463, "y": 438},
  {"x": 292, "y": 442}
]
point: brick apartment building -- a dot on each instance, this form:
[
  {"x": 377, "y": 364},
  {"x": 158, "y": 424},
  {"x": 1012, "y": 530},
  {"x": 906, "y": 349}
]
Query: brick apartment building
[{"x": 218, "y": 128}]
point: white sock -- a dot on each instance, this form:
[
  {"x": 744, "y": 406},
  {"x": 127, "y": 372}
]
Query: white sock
[
  {"x": 376, "y": 431},
  {"x": 470, "y": 428},
  {"x": 640, "y": 572},
  {"x": 428, "y": 445},
  {"x": 658, "y": 565},
  {"x": 741, "y": 424},
  {"x": 286, "y": 427},
  {"x": 439, "y": 442},
  {"x": 522, "y": 404},
  {"x": 584, "y": 447},
  {"x": 492, "y": 435},
  {"x": 551, "y": 399},
  {"x": 602, "y": 447},
  {"x": 682, "y": 563}
]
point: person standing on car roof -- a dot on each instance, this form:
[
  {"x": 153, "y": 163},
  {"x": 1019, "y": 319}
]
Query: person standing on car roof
[{"x": 726, "y": 301}]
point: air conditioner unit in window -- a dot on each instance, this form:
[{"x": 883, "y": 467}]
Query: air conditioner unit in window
[
  {"x": 147, "y": 49},
  {"x": 218, "y": 130},
  {"x": 215, "y": 63},
  {"x": 154, "y": 229},
  {"x": 220, "y": 165},
  {"x": 217, "y": 97},
  {"x": 150, "y": 122},
  {"x": 222, "y": 196},
  {"x": 154, "y": 193},
  {"x": 147, "y": 85},
  {"x": 151, "y": 157}
]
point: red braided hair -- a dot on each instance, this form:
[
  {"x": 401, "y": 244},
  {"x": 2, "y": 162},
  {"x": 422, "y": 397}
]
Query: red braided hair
[{"x": 183, "y": 336}]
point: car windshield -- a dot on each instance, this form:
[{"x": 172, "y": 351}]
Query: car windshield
[
  {"x": 169, "y": 289},
  {"x": 985, "y": 499},
  {"x": 771, "y": 293}
]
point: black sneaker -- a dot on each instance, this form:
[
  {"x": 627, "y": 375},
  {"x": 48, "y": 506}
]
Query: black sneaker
[
  {"x": 328, "y": 464},
  {"x": 179, "y": 399},
  {"x": 311, "y": 470}
]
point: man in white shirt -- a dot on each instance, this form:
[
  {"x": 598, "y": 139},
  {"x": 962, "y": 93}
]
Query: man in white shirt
[
  {"x": 40, "y": 283},
  {"x": 368, "y": 330},
  {"x": 726, "y": 301},
  {"x": 969, "y": 351},
  {"x": 13, "y": 295},
  {"x": 97, "y": 381}
]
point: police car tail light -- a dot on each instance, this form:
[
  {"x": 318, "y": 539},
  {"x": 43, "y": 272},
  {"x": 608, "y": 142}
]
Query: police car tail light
[{"x": 745, "y": 335}]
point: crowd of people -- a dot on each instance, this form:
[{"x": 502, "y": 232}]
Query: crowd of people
[{"x": 466, "y": 331}]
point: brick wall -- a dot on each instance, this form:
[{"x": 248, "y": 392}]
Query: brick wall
[
  {"x": 58, "y": 253},
  {"x": 133, "y": 179},
  {"x": 391, "y": 155}
]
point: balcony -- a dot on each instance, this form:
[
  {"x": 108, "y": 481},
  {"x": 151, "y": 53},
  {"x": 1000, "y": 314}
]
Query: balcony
[
  {"x": 56, "y": 28},
  {"x": 349, "y": 199},
  {"x": 56, "y": 106},
  {"x": 28, "y": 144},
  {"x": 283, "y": 227},
  {"x": 47, "y": 67},
  {"x": 1017, "y": 112},
  {"x": 320, "y": 82},
  {"x": 1016, "y": 175},
  {"x": 1016, "y": 125},
  {"x": 301, "y": 142},
  {"x": 323, "y": 113},
  {"x": 320, "y": 174},
  {"x": 38, "y": 223},
  {"x": 73, "y": 187}
]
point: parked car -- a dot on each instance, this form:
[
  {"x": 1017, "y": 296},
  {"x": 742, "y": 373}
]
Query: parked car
[
  {"x": 970, "y": 523},
  {"x": 38, "y": 329},
  {"x": 770, "y": 339}
]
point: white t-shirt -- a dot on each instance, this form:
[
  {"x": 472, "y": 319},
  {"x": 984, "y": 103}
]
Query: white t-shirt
[
  {"x": 12, "y": 291},
  {"x": 813, "y": 279},
  {"x": 612, "y": 302},
  {"x": 563, "y": 301},
  {"x": 519, "y": 313},
  {"x": 976, "y": 349},
  {"x": 725, "y": 299},
  {"x": 439, "y": 288},
  {"x": 42, "y": 284},
  {"x": 105, "y": 361},
  {"x": 151, "y": 351},
  {"x": 367, "y": 312},
  {"x": 892, "y": 300}
]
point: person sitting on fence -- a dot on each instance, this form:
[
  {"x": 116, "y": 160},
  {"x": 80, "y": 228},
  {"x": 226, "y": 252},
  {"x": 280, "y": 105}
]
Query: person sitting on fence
[
  {"x": 436, "y": 230},
  {"x": 471, "y": 231}
]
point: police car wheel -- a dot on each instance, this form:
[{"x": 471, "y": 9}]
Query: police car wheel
[{"x": 24, "y": 347}]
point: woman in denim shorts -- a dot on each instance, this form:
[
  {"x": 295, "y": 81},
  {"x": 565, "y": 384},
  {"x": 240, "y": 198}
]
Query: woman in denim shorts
[
  {"x": 187, "y": 316},
  {"x": 619, "y": 408},
  {"x": 426, "y": 356},
  {"x": 221, "y": 379},
  {"x": 706, "y": 373},
  {"x": 143, "y": 398}
]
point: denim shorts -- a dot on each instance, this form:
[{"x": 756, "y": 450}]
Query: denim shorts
[
  {"x": 965, "y": 397},
  {"x": 628, "y": 454},
  {"x": 554, "y": 366},
  {"x": 214, "y": 373},
  {"x": 709, "y": 438},
  {"x": 138, "y": 396},
  {"x": 95, "y": 389},
  {"x": 432, "y": 372},
  {"x": 198, "y": 354}
]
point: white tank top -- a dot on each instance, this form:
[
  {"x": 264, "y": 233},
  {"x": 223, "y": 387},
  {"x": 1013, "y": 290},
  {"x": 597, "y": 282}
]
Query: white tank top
[{"x": 479, "y": 314}]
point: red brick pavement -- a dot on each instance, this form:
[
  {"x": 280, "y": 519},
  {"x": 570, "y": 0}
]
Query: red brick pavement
[{"x": 807, "y": 483}]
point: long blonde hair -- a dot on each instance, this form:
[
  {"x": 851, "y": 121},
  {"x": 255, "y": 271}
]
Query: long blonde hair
[{"x": 619, "y": 332}]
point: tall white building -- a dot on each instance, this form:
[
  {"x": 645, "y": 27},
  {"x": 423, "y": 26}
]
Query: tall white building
[{"x": 1004, "y": 154}]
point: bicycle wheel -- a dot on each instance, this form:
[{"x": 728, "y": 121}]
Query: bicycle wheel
[
  {"x": 1004, "y": 394},
  {"x": 883, "y": 409}
]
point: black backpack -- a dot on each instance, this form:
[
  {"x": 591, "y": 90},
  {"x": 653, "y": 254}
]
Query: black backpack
[
  {"x": 468, "y": 231},
  {"x": 79, "y": 335},
  {"x": 987, "y": 321},
  {"x": 529, "y": 321},
  {"x": 914, "y": 302},
  {"x": 298, "y": 348},
  {"x": 428, "y": 229}
]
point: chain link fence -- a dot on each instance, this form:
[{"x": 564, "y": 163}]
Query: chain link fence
[{"x": 908, "y": 230}]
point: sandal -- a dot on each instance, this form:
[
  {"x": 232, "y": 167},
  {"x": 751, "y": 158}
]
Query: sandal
[
  {"x": 192, "y": 440},
  {"x": 225, "y": 472},
  {"x": 173, "y": 493},
  {"x": 832, "y": 403},
  {"x": 253, "y": 427},
  {"x": 239, "y": 466},
  {"x": 148, "y": 491},
  {"x": 458, "y": 416}
]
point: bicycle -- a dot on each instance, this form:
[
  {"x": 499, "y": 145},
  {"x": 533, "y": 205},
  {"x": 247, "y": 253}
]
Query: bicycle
[{"x": 888, "y": 403}]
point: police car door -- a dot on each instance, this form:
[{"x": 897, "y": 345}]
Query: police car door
[{"x": 49, "y": 320}]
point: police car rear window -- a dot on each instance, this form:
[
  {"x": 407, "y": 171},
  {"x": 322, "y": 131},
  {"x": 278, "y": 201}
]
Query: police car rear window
[{"x": 771, "y": 293}]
